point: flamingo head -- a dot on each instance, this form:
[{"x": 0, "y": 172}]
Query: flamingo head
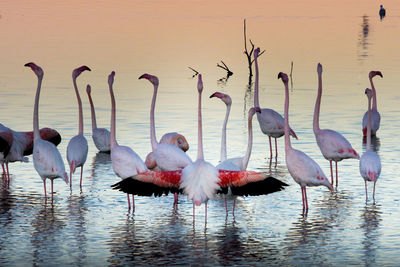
[
  {"x": 256, "y": 52},
  {"x": 319, "y": 69},
  {"x": 373, "y": 73},
  {"x": 88, "y": 89},
  {"x": 182, "y": 143},
  {"x": 283, "y": 76},
  {"x": 253, "y": 111},
  {"x": 36, "y": 69},
  {"x": 76, "y": 72},
  {"x": 153, "y": 79},
  {"x": 368, "y": 92},
  {"x": 224, "y": 97},
  {"x": 200, "y": 84},
  {"x": 111, "y": 78}
]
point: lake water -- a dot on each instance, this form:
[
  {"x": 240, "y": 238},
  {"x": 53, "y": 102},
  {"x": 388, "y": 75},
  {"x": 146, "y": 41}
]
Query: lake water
[{"x": 93, "y": 226}]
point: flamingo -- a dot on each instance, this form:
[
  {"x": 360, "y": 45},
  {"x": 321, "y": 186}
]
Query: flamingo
[
  {"x": 166, "y": 156},
  {"x": 375, "y": 116},
  {"x": 271, "y": 122},
  {"x": 304, "y": 170},
  {"x": 100, "y": 136},
  {"x": 47, "y": 159},
  {"x": 370, "y": 163},
  {"x": 6, "y": 141},
  {"x": 77, "y": 148},
  {"x": 333, "y": 145},
  {"x": 22, "y": 144},
  {"x": 267, "y": 186},
  {"x": 125, "y": 162}
]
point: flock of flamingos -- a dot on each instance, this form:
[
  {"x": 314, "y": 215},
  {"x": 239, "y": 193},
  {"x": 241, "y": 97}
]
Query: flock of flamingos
[{"x": 168, "y": 169}]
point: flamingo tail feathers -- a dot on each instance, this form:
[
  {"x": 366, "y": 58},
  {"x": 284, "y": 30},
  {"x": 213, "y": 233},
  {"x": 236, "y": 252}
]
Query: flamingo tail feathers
[{"x": 263, "y": 187}]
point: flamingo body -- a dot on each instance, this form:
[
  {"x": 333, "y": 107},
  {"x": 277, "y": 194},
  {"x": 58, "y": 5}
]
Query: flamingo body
[
  {"x": 370, "y": 166},
  {"x": 169, "y": 157},
  {"x": 77, "y": 151},
  {"x": 126, "y": 162},
  {"x": 232, "y": 164},
  {"x": 101, "y": 139},
  {"x": 199, "y": 181},
  {"x": 272, "y": 123},
  {"x": 334, "y": 146},
  {"x": 375, "y": 122}
]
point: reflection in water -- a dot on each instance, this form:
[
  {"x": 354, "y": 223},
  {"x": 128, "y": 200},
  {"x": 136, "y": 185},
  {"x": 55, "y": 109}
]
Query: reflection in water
[
  {"x": 363, "y": 42},
  {"x": 370, "y": 219},
  {"x": 46, "y": 239},
  {"x": 375, "y": 143},
  {"x": 101, "y": 164},
  {"x": 311, "y": 238}
]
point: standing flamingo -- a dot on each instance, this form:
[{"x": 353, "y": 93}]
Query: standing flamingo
[
  {"x": 166, "y": 156},
  {"x": 22, "y": 144},
  {"x": 304, "y": 170},
  {"x": 125, "y": 162},
  {"x": 77, "y": 148},
  {"x": 370, "y": 163},
  {"x": 271, "y": 122},
  {"x": 333, "y": 146},
  {"x": 375, "y": 116},
  {"x": 46, "y": 157},
  {"x": 101, "y": 136}
]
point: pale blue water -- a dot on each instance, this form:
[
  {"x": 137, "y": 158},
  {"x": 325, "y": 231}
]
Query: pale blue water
[{"x": 93, "y": 227}]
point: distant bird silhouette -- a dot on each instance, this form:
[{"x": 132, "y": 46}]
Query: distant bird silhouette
[
  {"x": 382, "y": 12},
  {"x": 370, "y": 163}
]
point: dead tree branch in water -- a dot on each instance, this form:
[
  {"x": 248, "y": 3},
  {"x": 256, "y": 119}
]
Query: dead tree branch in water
[
  {"x": 195, "y": 72},
  {"x": 249, "y": 54},
  {"x": 225, "y": 67}
]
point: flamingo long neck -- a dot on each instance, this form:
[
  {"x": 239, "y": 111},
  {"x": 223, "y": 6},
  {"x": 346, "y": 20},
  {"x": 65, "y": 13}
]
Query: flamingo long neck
[
  {"x": 113, "y": 140},
  {"x": 223, "y": 136},
  {"x": 317, "y": 105},
  {"x": 200, "y": 154},
  {"x": 93, "y": 112},
  {"x": 374, "y": 102},
  {"x": 256, "y": 101},
  {"x": 152, "y": 123},
  {"x": 369, "y": 125},
  {"x": 249, "y": 142},
  {"x": 36, "y": 133},
  {"x": 79, "y": 107},
  {"x": 288, "y": 145}
]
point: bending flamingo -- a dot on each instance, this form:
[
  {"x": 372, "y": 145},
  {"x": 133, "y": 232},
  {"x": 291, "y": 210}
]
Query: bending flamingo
[
  {"x": 271, "y": 122},
  {"x": 125, "y": 162},
  {"x": 304, "y": 170},
  {"x": 333, "y": 146},
  {"x": 375, "y": 116},
  {"x": 166, "y": 156},
  {"x": 46, "y": 157},
  {"x": 370, "y": 163},
  {"x": 100, "y": 136},
  {"x": 22, "y": 144},
  {"x": 77, "y": 148}
]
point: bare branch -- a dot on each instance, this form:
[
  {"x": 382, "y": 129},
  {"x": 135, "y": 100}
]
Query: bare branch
[
  {"x": 262, "y": 52},
  {"x": 195, "y": 72},
  {"x": 225, "y": 67}
]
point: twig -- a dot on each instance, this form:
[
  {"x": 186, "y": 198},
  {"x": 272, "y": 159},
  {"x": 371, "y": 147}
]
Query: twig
[
  {"x": 195, "y": 72},
  {"x": 225, "y": 67}
]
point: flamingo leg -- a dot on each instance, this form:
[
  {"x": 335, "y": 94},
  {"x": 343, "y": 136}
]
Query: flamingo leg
[
  {"x": 129, "y": 202},
  {"x": 176, "y": 198},
  {"x": 305, "y": 197},
  {"x": 302, "y": 196},
  {"x": 366, "y": 194},
  {"x": 4, "y": 171},
  {"x": 193, "y": 212},
  {"x": 234, "y": 203},
  {"x": 337, "y": 181},
  {"x": 373, "y": 195},
  {"x": 276, "y": 150},
  {"x": 206, "y": 211},
  {"x": 81, "y": 176},
  {"x": 133, "y": 203},
  {"x": 51, "y": 190},
  {"x": 8, "y": 172},
  {"x": 226, "y": 206},
  {"x": 44, "y": 187},
  {"x": 330, "y": 163},
  {"x": 270, "y": 147}
]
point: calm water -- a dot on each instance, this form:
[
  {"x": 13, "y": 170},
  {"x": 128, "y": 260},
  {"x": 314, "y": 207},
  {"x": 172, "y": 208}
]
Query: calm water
[{"x": 92, "y": 226}]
